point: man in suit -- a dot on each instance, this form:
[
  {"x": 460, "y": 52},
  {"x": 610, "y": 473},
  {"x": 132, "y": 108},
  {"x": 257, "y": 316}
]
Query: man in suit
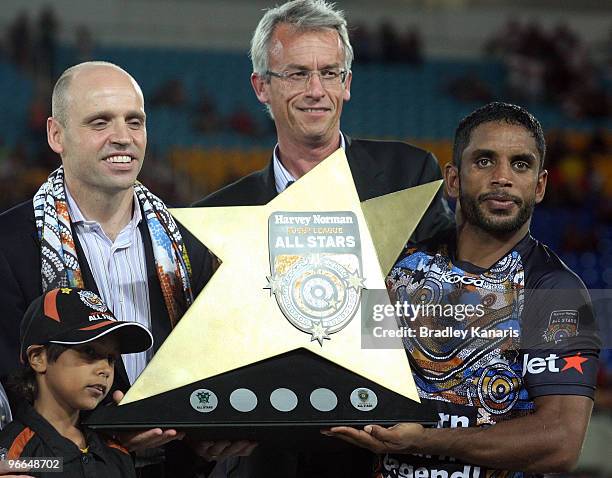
[
  {"x": 98, "y": 129},
  {"x": 91, "y": 224},
  {"x": 302, "y": 59}
]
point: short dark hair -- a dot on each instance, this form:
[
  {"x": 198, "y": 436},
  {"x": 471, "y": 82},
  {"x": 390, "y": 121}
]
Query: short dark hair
[
  {"x": 22, "y": 384},
  {"x": 497, "y": 112}
]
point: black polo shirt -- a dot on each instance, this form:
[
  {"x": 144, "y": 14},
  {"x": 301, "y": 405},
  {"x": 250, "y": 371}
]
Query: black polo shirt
[{"x": 29, "y": 435}]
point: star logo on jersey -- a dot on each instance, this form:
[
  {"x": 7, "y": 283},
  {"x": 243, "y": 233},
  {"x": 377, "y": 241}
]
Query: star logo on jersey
[
  {"x": 575, "y": 361},
  {"x": 418, "y": 277}
]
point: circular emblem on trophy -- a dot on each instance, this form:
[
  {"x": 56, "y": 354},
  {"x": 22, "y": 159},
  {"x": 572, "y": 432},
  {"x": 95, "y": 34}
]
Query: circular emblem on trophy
[
  {"x": 283, "y": 399},
  {"x": 316, "y": 269},
  {"x": 203, "y": 400},
  {"x": 364, "y": 399},
  {"x": 323, "y": 399},
  {"x": 243, "y": 400}
]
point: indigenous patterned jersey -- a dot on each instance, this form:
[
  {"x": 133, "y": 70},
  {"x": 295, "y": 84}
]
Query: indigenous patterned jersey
[{"x": 485, "y": 343}]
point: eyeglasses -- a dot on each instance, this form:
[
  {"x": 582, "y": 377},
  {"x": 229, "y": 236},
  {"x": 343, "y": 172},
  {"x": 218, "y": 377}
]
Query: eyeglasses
[{"x": 329, "y": 77}]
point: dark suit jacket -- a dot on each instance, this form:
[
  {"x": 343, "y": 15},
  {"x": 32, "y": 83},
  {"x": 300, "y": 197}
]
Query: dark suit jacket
[
  {"x": 378, "y": 168},
  {"x": 21, "y": 281}
]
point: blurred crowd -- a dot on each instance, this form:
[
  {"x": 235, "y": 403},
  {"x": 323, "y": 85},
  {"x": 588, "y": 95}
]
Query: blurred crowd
[
  {"x": 31, "y": 43},
  {"x": 553, "y": 66},
  {"x": 387, "y": 44},
  {"x": 548, "y": 66},
  {"x": 206, "y": 117}
]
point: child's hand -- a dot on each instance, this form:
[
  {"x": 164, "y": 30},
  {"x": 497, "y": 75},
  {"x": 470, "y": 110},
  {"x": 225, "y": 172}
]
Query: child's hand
[{"x": 141, "y": 440}]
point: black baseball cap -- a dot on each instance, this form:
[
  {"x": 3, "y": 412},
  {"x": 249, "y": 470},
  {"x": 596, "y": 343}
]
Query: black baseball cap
[{"x": 71, "y": 316}]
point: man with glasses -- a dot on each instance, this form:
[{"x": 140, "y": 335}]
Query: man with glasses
[{"x": 302, "y": 59}]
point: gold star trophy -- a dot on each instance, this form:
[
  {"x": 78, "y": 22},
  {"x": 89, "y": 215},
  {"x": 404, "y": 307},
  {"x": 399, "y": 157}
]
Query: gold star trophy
[{"x": 273, "y": 346}]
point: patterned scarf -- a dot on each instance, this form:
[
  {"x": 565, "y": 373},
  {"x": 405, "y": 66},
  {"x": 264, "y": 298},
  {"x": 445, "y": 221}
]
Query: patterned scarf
[{"x": 59, "y": 261}]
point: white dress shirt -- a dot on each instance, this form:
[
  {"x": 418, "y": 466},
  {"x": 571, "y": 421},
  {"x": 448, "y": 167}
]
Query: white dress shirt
[
  {"x": 282, "y": 177},
  {"x": 120, "y": 271}
]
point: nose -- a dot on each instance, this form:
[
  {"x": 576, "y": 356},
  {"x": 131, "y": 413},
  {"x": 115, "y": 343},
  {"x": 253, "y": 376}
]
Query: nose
[
  {"x": 105, "y": 367},
  {"x": 120, "y": 133},
  {"x": 501, "y": 175},
  {"x": 314, "y": 86}
]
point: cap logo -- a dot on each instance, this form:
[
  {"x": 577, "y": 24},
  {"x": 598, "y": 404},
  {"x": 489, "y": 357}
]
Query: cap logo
[
  {"x": 101, "y": 316},
  {"x": 92, "y": 301}
]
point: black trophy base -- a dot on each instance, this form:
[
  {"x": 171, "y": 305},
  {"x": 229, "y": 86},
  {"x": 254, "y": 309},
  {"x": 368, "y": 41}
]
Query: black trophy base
[{"x": 285, "y": 401}]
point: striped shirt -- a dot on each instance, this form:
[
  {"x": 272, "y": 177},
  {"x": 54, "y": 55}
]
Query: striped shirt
[
  {"x": 120, "y": 271},
  {"x": 282, "y": 177}
]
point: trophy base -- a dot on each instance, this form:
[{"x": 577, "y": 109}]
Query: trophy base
[{"x": 285, "y": 401}]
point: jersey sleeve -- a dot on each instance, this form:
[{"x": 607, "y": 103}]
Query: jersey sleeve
[{"x": 560, "y": 341}]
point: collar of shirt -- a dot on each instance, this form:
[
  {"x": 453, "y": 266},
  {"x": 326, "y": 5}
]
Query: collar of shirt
[
  {"x": 281, "y": 175},
  {"x": 60, "y": 445},
  {"x": 77, "y": 218}
]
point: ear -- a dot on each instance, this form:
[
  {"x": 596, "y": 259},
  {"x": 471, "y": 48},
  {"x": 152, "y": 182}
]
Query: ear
[
  {"x": 347, "y": 86},
  {"x": 541, "y": 186},
  {"x": 451, "y": 180},
  {"x": 260, "y": 86},
  {"x": 37, "y": 358},
  {"x": 55, "y": 135}
]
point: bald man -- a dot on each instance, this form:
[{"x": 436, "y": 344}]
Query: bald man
[{"x": 92, "y": 225}]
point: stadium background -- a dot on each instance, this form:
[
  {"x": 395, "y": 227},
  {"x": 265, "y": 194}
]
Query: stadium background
[{"x": 420, "y": 66}]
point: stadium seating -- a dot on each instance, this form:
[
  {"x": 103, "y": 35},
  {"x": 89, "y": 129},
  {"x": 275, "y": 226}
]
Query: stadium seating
[{"x": 388, "y": 101}]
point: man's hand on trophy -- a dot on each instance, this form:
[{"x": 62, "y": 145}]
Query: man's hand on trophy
[
  {"x": 141, "y": 440},
  {"x": 400, "y": 438},
  {"x": 220, "y": 450}
]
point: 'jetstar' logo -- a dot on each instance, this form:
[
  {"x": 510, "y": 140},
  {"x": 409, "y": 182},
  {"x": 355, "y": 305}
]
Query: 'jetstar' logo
[{"x": 538, "y": 365}]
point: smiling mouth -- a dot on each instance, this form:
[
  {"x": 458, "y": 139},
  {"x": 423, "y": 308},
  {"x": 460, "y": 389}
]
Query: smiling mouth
[
  {"x": 119, "y": 159},
  {"x": 314, "y": 110}
]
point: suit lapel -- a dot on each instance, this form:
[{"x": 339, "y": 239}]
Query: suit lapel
[
  {"x": 367, "y": 172},
  {"x": 268, "y": 184},
  {"x": 160, "y": 322}
]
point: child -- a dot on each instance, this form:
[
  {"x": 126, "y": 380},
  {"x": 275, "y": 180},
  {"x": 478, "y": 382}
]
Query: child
[{"x": 69, "y": 343}]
